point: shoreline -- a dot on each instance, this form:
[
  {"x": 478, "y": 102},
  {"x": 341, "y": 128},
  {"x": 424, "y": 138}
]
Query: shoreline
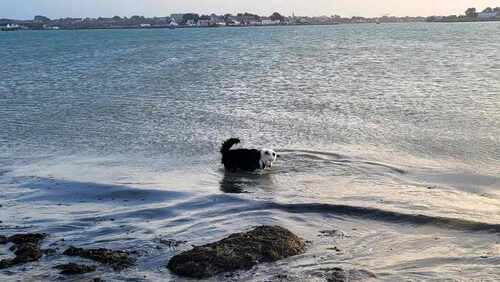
[{"x": 249, "y": 26}]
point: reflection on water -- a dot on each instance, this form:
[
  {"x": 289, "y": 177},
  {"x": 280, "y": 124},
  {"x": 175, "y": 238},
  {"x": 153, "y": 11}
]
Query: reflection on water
[{"x": 245, "y": 182}]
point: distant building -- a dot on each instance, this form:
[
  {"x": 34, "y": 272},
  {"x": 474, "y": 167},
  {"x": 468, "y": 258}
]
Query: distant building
[
  {"x": 487, "y": 15},
  {"x": 191, "y": 22},
  {"x": 11, "y": 27},
  {"x": 203, "y": 23},
  {"x": 51, "y": 27},
  {"x": 173, "y": 24},
  {"x": 269, "y": 22},
  {"x": 206, "y": 23},
  {"x": 232, "y": 21},
  {"x": 145, "y": 25},
  {"x": 178, "y": 18},
  {"x": 218, "y": 20}
]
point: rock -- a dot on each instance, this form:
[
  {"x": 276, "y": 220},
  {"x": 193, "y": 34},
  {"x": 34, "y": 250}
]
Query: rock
[
  {"x": 5, "y": 263},
  {"x": 334, "y": 249},
  {"x": 50, "y": 252},
  {"x": 73, "y": 268},
  {"x": 338, "y": 274},
  {"x": 238, "y": 251},
  {"x": 333, "y": 233},
  {"x": 118, "y": 260},
  {"x": 27, "y": 252},
  {"x": 34, "y": 238},
  {"x": 26, "y": 248}
]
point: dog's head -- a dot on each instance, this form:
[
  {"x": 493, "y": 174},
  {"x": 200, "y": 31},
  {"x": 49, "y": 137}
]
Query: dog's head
[{"x": 267, "y": 157}]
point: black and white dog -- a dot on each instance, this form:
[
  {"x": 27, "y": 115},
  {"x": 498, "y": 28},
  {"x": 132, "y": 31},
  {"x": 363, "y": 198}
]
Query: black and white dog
[{"x": 246, "y": 159}]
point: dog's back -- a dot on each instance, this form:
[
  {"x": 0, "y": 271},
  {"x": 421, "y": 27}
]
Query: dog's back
[{"x": 245, "y": 159}]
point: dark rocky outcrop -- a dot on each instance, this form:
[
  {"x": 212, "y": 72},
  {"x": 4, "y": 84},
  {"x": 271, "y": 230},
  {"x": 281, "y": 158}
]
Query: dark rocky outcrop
[
  {"x": 73, "y": 268},
  {"x": 238, "y": 251},
  {"x": 34, "y": 238},
  {"x": 26, "y": 248},
  {"x": 118, "y": 260}
]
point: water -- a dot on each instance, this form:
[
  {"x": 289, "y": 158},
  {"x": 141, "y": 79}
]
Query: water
[{"x": 389, "y": 134}]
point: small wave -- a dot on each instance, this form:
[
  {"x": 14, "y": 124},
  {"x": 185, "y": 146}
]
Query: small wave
[
  {"x": 387, "y": 216},
  {"x": 337, "y": 158},
  {"x": 312, "y": 152}
]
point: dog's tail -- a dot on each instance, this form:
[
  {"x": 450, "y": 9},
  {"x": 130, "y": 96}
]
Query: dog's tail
[{"x": 228, "y": 144}]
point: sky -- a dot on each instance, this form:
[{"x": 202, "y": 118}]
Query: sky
[{"x": 26, "y": 9}]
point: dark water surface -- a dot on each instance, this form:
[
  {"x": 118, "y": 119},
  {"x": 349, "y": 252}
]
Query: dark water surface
[{"x": 389, "y": 134}]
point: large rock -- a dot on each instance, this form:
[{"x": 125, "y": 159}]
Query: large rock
[
  {"x": 26, "y": 248},
  {"x": 238, "y": 251},
  {"x": 27, "y": 252},
  {"x": 73, "y": 268},
  {"x": 118, "y": 260}
]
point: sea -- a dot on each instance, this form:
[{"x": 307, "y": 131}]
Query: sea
[{"x": 388, "y": 135}]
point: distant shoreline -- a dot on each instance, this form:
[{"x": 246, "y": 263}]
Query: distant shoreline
[
  {"x": 462, "y": 20},
  {"x": 240, "y": 26}
]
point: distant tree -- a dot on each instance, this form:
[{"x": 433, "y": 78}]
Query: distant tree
[
  {"x": 488, "y": 10},
  {"x": 277, "y": 17},
  {"x": 190, "y": 16},
  {"x": 41, "y": 19},
  {"x": 204, "y": 17},
  {"x": 249, "y": 16},
  {"x": 137, "y": 18},
  {"x": 116, "y": 18},
  {"x": 496, "y": 10},
  {"x": 471, "y": 13}
]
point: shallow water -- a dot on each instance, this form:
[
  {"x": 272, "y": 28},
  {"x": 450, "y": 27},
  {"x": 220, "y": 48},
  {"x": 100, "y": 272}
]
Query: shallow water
[{"x": 389, "y": 134}]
